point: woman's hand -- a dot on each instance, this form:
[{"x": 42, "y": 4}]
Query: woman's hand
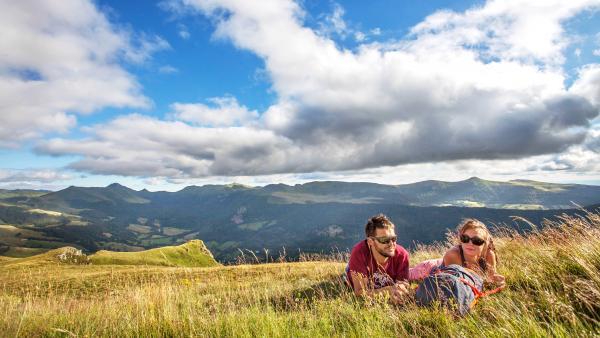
[
  {"x": 399, "y": 292},
  {"x": 498, "y": 279}
]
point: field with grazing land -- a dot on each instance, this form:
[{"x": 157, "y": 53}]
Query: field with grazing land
[{"x": 553, "y": 289}]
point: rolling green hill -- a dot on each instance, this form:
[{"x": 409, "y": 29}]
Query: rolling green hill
[
  {"x": 74, "y": 199},
  {"x": 191, "y": 254},
  {"x": 285, "y": 220},
  {"x": 64, "y": 255},
  {"x": 21, "y": 193},
  {"x": 472, "y": 192},
  {"x": 517, "y": 194},
  {"x": 552, "y": 275}
]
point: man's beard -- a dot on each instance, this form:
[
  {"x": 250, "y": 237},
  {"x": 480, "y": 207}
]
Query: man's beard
[{"x": 386, "y": 254}]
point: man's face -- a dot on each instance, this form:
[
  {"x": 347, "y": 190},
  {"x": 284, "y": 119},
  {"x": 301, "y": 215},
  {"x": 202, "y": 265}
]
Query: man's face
[{"x": 386, "y": 250}]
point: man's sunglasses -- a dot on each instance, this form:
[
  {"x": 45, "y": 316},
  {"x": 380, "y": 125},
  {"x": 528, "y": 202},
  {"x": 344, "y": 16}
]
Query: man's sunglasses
[
  {"x": 475, "y": 240},
  {"x": 385, "y": 239}
]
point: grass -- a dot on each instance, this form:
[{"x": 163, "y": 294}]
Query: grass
[
  {"x": 21, "y": 252},
  {"x": 543, "y": 186},
  {"x": 34, "y": 243},
  {"x": 191, "y": 254},
  {"x": 252, "y": 226},
  {"x": 306, "y": 198},
  {"x": 46, "y": 212},
  {"x": 156, "y": 241},
  {"x": 553, "y": 290},
  {"x": 142, "y": 229},
  {"x": 170, "y": 231},
  {"x": 116, "y": 246},
  {"x": 17, "y": 236}
]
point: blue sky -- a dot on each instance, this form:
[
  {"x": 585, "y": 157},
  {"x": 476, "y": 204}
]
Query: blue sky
[{"x": 161, "y": 95}]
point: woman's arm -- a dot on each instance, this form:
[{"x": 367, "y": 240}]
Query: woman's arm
[{"x": 493, "y": 276}]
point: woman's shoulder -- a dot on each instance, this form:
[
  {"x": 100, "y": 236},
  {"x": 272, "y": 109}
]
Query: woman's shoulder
[
  {"x": 453, "y": 250},
  {"x": 452, "y": 256}
]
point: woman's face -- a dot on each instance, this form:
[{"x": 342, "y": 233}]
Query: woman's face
[{"x": 470, "y": 249}]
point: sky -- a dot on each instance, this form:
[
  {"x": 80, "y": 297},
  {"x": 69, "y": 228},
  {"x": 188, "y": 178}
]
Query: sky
[{"x": 162, "y": 95}]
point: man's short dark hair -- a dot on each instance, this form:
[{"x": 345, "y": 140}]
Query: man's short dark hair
[{"x": 378, "y": 222}]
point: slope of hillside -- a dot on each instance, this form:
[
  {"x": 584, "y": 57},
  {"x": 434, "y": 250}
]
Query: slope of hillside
[
  {"x": 553, "y": 289},
  {"x": 21, "y": 194},
  {"x": 471, "y": 192},
  {"x": 517, "y": 194},
  {"x": 74, "y": 199},
  {"x": 311, "y": 217},
  {"x": 64, "y": 255},
  {"x": 191, "y": 254}
]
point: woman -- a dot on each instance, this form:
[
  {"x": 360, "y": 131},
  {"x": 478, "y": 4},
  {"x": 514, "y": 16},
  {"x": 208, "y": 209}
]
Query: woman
[
  {"x": 475, "y": 251},
  {"x": 458, "y": 282}
]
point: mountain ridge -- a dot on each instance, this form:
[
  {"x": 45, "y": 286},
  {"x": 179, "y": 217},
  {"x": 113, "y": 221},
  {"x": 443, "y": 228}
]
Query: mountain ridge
[{"x": 310, "y": 217}]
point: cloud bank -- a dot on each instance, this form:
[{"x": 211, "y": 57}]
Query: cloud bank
[
  {"x": 30, "y": 176},
  {"x": 488, "y": 83},
  {"x": 61, "y": 58}
]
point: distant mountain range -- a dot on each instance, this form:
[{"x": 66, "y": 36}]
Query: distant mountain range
[{"x": 311, "y": 217}]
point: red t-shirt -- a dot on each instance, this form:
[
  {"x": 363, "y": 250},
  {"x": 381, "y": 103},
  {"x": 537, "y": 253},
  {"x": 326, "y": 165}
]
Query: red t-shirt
[{"x": 362, "y": 261}]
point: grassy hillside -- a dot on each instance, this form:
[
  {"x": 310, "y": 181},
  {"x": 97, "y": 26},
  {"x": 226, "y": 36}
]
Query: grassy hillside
[
  {"x": 21, "y": 194},
  {"x": 553, "y": 289},
  {"x": 48, "y": 259},
  {"x": 314, "y": 217},
  {"x": 74, "y": 199},
  {"x": 250, "y": 225},
  {"x": 191, "y": 254}
]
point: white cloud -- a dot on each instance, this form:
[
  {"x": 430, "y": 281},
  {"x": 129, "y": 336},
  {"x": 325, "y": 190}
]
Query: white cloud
[
  {"x": 60, "y": 58},
  {"x": 334, "y": 22},
  {"x": 145, "y": 46},
  {"x": 512, "y": 30},
  {"x": 184, "y": 34},
  {"x": 581, "y": 158},
  {"x": 226, "y": 112},
  {"x": 32, "y": 176},
  {"x": 168, "y": 69},
  {"x": 360, "y": 36},
  {"x": 154, "y": 181},
  {"x": 480, "y": 85},
  {"x": 183, "y": 31},
  {"x": 143, "y": 146},
  {"x": 587, "y": 84}
]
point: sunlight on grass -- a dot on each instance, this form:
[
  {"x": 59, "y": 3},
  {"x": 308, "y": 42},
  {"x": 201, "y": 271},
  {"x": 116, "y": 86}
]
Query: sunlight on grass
[{"x": 553, "y": 289}]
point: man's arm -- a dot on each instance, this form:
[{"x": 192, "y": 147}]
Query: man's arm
[{"x": 397, "y": 292}]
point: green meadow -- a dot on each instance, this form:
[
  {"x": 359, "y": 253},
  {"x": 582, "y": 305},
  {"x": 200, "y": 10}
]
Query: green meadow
[{"x": 553, "y": 289}]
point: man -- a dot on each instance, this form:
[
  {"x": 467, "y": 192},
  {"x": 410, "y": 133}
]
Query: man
[{"x": 377, "y": 264}]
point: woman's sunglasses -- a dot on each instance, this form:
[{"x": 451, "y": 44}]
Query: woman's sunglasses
[
  {"x": 475, "y": 240},
  {"x": 385, "y": 239}
]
